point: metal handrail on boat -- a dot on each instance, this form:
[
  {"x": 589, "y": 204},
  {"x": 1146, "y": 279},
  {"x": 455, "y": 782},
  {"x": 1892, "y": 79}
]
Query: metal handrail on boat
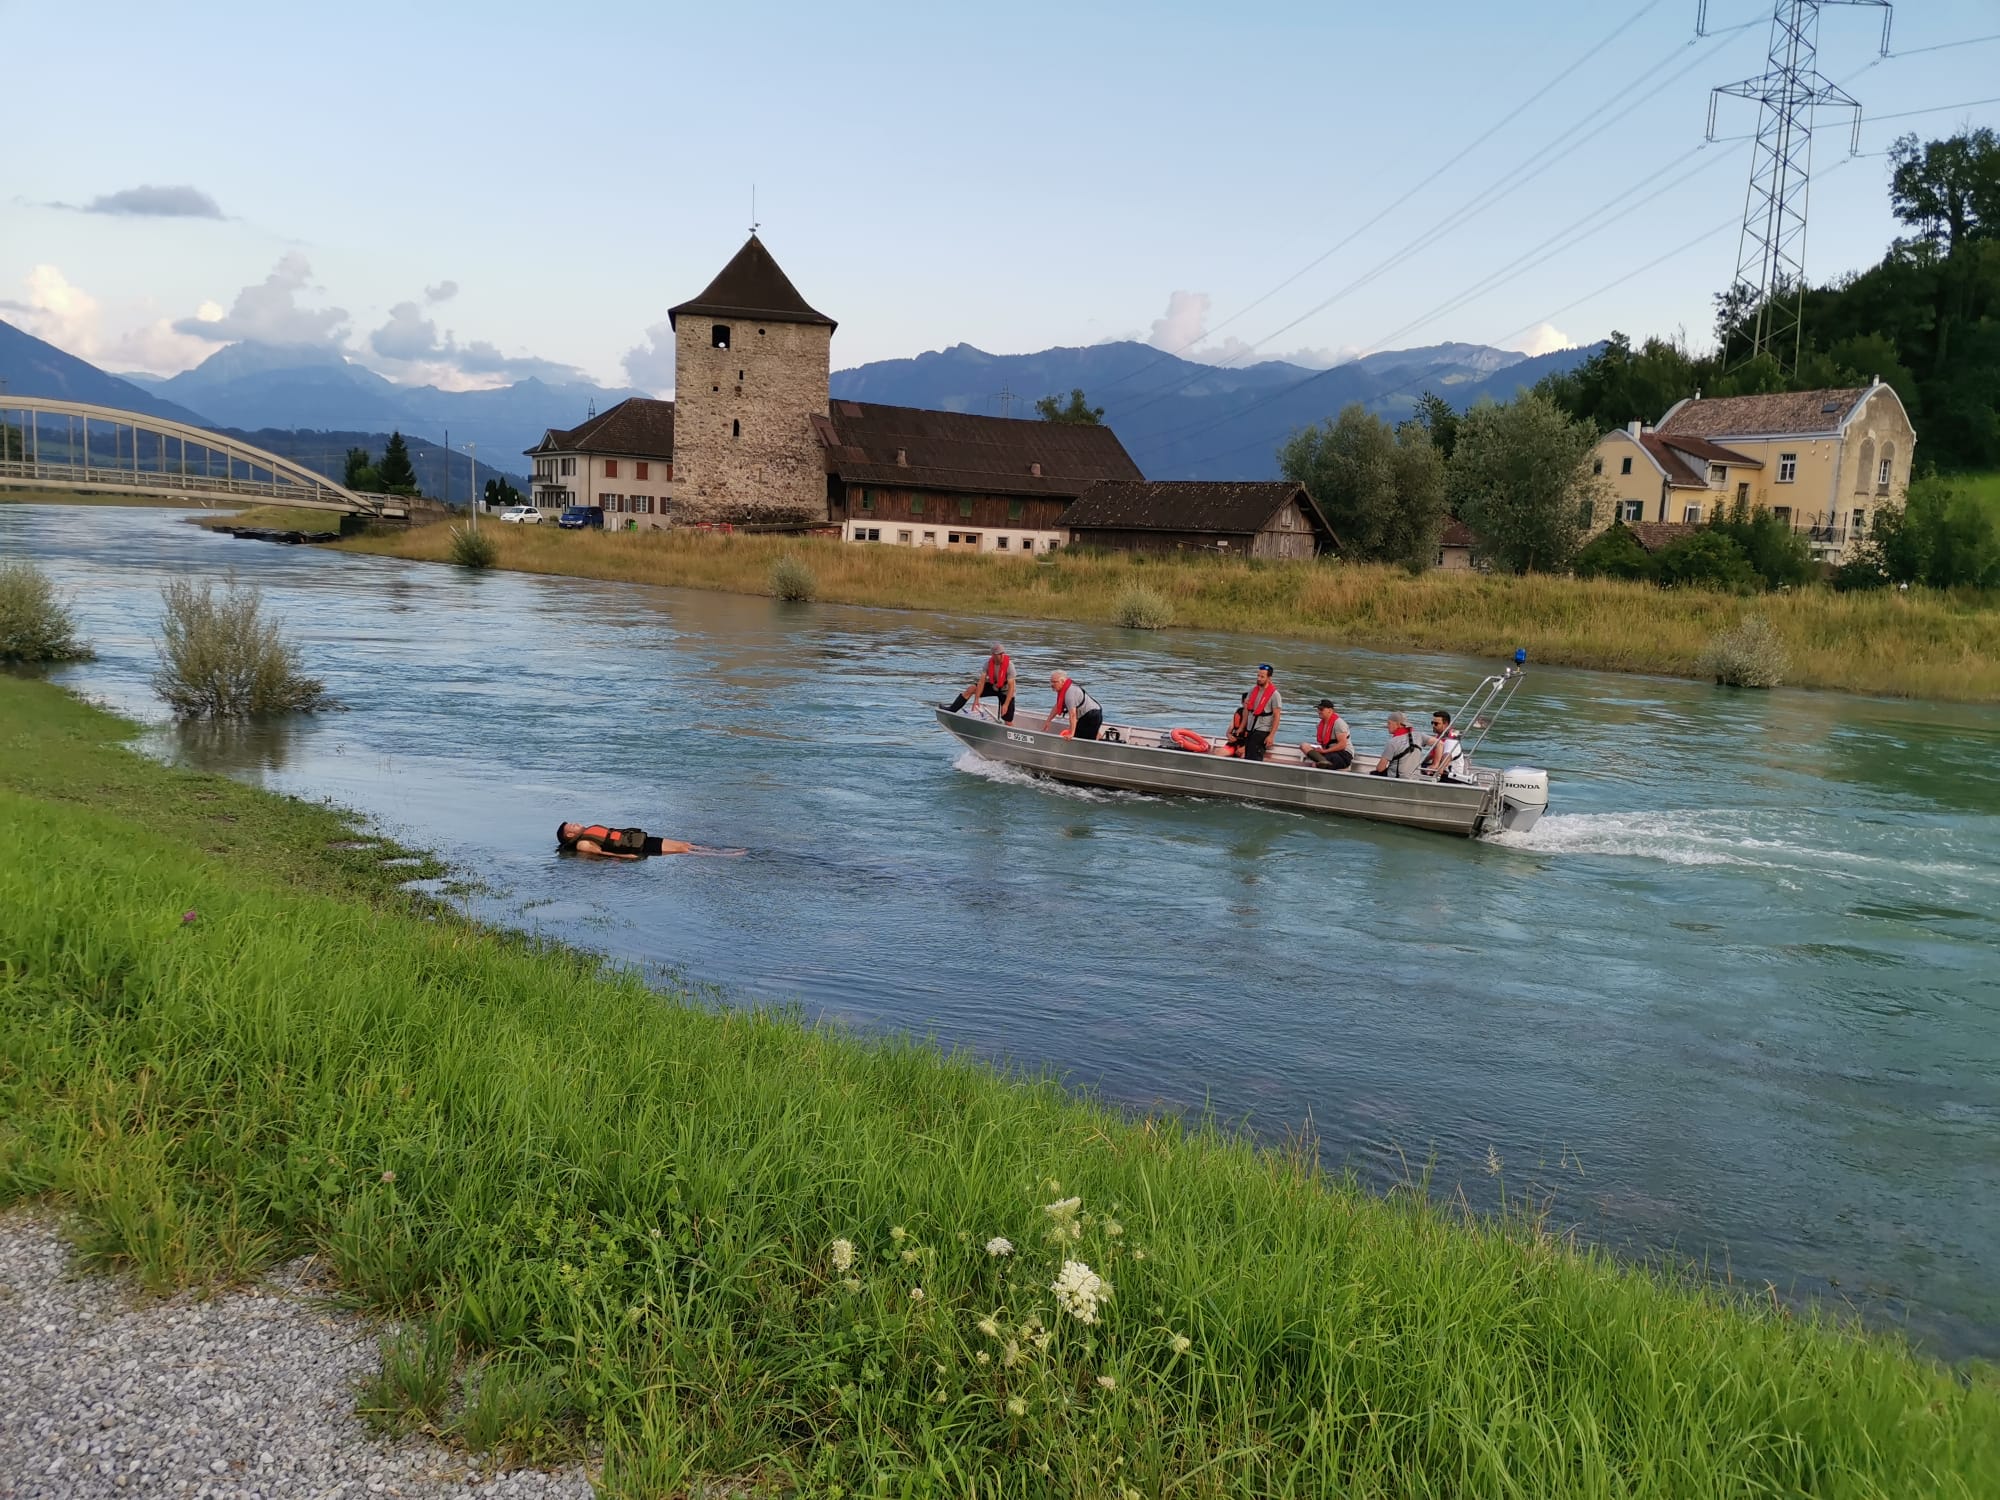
[{"x": 1488, "y": 701}]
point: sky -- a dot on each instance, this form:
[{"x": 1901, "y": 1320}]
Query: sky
[{"x": 470, "y": 194}]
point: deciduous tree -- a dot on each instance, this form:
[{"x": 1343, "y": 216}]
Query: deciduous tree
[
  {"x": 1077, "y": 411},
  {"x": 1382, "y": 490},
  {"x": 1518, "y": 478}
]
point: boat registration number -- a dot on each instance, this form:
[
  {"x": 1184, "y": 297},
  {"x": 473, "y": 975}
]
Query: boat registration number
[{"x": 1016, "y": 738}]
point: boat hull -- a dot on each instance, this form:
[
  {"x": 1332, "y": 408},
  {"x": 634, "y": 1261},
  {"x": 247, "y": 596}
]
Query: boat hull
[{"x": 1142, "y": 760}]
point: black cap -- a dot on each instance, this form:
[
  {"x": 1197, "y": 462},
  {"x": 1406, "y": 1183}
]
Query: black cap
[{"x": 1327, "y": 703}]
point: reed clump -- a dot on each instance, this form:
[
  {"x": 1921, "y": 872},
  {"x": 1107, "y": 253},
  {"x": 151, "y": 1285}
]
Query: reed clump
[
  {"x": 1142, "y": 608},
  {"x": 223, "y": 657},
  {"x": 474, "y": 549},
  {"x": 1923, "y": 644},
  {"x": 723, "y": 1243},
  {"x": 793, "y": 578},
  {"x": 1748, "y": 654},
  {"x": 36, "y": 624}
]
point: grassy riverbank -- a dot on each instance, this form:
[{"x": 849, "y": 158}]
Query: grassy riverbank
[
  {"x": 1910, "y": 645},
  {"x": 225, "y": 1039}
]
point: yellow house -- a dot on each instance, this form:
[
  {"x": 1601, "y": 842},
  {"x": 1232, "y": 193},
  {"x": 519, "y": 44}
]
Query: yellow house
[{"x": 1825, "y": 462}]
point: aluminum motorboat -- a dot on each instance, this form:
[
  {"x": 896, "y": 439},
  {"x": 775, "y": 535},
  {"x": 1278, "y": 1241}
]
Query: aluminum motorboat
[{"x": 1132, "y": 757}]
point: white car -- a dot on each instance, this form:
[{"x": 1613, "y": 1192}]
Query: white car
[{"x": 522, "y": 515}]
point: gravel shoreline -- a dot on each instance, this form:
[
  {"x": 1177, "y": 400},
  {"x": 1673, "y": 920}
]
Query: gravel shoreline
[{"x": 247, "y": 1395}]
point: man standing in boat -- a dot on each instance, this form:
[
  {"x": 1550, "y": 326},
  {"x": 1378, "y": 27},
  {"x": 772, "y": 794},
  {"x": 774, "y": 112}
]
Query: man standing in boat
[
  {"x": 995, "y": 680},
  {"x": 1262, "y": 710},
  {"x": 1085, "y": 713}
]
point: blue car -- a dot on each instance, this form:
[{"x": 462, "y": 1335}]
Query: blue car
[{"x": 577, "y": 517}]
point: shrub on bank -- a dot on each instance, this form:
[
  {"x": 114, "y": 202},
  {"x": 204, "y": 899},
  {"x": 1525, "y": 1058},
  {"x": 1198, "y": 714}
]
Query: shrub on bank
[
  {"x": 473, "y": 549},
  {"x": 793, "y": 578},
  {"x": 1748, "y": 654},
  {"x": 35, "y": 622},
  {"x": 222, "y": 657},
  {"x": 1141, "y": 608}
]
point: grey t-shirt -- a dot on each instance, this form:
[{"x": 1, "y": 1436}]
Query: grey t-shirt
[
  {"x": 1263, "y": 720},
  {"x": 1076, "y": 702},
  {"x": 1406, "y": 756}
]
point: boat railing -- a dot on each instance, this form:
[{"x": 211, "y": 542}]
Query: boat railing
[{"x": 1484, "y": 705}]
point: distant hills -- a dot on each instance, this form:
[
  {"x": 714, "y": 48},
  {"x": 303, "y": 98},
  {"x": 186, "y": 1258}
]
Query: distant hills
[
  {"x": 1178, "y": 419},
  {"x": 1183, "y": 420}
]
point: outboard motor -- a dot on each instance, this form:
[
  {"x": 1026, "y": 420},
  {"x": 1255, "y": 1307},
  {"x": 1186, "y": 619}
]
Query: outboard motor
[{"x": 1524, "y": 797}]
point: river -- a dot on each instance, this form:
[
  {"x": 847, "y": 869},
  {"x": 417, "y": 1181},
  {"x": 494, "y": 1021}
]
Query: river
[{"x": 1735, "y": 999}]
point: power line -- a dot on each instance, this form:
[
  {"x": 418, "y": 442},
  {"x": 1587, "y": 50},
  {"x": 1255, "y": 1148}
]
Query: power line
[
  {"x": 1352, "y": 236},
  {"x": 1510, "y": 183},
  {"x": 1947, "y": 46}
]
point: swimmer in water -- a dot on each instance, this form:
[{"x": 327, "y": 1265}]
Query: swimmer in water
[{"x": 623, "y": 843}]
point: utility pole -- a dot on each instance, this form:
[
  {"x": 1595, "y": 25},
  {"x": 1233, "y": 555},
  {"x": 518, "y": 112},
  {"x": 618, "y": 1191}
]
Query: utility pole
[
  {"x": 1006, "y": 398},
  {"x": 1770, "y": 282}
]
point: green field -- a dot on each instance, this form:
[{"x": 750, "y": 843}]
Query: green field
[{"x": 707, "y": 1243}]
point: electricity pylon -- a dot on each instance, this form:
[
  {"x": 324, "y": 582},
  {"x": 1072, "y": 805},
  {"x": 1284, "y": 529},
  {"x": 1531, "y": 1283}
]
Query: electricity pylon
[{"x": 1770, "y": 283}]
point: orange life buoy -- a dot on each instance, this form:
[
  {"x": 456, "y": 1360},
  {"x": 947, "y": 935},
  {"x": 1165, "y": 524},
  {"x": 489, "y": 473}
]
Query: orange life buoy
[{"x": 1187, "y": 739}]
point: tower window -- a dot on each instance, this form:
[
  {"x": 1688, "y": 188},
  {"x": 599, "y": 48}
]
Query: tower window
[
  {"x": 739, "y": 374},
  {"x": 736, "y": 428},
  {"x": 718, "y": 336}
]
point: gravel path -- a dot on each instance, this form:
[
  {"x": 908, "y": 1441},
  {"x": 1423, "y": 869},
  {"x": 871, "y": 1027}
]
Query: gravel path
[{"x": 248, "y": 1394}]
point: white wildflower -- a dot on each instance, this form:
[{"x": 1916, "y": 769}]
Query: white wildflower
[
  {"x": 1016, "y": 1407},
  {"x": 899, "y": 1234},
  {"x": 1109, "y": 1382},
  {"x": 989, "y": 1327},
  {"x": 1079, "y": 1290},
  {"x": 1182, "y": 1343},
  {"x": 843, "y": 1255},
  {"x": 916, "y": 1294},
  {"x": 982, "y": 1358},
  {"x": 1010, "y": 1356},
  {"x": 999, "y": 1246},
  {"x": 909, "y": 1257},
  {"x": 938, "y": 1396},
  {"x": 1138, "y": 1255},
  {"x": 1063, "y": 1209},
  {"x": 853, "y": 1283},
  {"x": 1112, "y": 1229},
  {"x": 965, "y": 1236}
]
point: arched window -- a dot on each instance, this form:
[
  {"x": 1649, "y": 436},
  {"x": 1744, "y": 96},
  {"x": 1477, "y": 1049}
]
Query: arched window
[
  {"x": 1885, "y": 470},
  {"x": 1864, "y": 474}
]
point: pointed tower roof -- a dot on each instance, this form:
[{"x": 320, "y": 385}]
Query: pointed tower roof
[{"x": 751, "y": 286}]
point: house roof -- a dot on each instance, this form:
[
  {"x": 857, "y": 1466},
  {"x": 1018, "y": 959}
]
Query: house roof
[
  {"x": 1779, "y": 414},
  {"x": 1224, "y": 507},
  {"x": 1456, "y": 534},
  {"x": 1715, "y": 453},
  {"x": 751, "y": 286},
  {"x": 1653, "y": 535},
  {"x": 906, "y": 446},
  {"x": 1680, "y": 473},
  {"x": 637, "y": 427}
]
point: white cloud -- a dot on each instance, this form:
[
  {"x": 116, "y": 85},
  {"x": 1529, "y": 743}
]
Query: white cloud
[
  {"x": 269, "y": 312},
  {"x": 409, "y": 341},
  {"x": 60, "y": 312},
  {"x": 650, "y": 366},
  {"x": 180, "y": 202},
  {"x": 1184, "y": 325},
  {"x": 1543, "y": 338},
  {"x": 444, "y": 291},
  {"x": 1183, "y": 330}
]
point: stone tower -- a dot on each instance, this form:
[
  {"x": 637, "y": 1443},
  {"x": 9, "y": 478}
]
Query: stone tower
[{"x": 750, "y": 372}]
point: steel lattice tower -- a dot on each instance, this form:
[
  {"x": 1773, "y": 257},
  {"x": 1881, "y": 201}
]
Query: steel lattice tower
[{"x": 1770, "y": 260}]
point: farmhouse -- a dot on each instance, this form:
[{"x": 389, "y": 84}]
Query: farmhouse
[{"x": 1274, "y": 519}]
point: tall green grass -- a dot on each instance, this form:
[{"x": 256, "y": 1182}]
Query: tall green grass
[{"x": 698, "y": 1237}]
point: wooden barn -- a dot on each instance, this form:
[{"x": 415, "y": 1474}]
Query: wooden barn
[{"x": 1250, "y": 518}]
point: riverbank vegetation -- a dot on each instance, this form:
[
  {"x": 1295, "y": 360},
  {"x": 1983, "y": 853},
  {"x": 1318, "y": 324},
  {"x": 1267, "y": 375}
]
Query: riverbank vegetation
[
  {"x": 1923, "y": 644},
  {"x": 715, "y": 1244},
  {"x": 222, "y": 656},
  {"x": 35, "y": 622}
]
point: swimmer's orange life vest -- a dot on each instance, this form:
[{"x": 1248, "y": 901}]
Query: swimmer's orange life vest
[
  {"x": 621, "y": 839},
  {"x": 999, "y": 679}
]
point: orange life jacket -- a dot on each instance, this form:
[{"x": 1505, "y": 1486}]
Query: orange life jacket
[
  {"x": 622, "y": 839},
  {"x": 1327, "y": 728},
  {"x": 1259, "y": 701},
  {"x": 999, "y": 679}
]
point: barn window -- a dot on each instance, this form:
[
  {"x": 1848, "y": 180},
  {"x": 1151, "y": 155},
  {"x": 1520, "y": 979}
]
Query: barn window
[
  {"x": 1016, "y": 509},
  {"x": 916, "y": 505},
  {"x": 718, "y": 336},
  {"x": 867, "y": 500},
  {"x": 964, "y": 509}
]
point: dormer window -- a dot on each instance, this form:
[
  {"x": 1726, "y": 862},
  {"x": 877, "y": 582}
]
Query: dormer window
[{"x": 718, "y": 336}]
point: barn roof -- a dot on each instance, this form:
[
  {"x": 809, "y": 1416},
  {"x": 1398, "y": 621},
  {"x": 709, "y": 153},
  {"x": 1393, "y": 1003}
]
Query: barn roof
[
  {"x": 1653, "y": 535},
  {"x": 908, "y": 447},
  {"x": 637, "y": 427},
  {"x": 1217, "y": 507},
  {"x": 752, "y": 286}
]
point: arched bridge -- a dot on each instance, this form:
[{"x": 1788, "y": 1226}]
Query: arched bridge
[{"x": 70, "y": 445}]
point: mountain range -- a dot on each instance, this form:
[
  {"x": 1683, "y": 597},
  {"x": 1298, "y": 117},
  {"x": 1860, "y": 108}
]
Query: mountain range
[{"x": 1179, "y": 419}]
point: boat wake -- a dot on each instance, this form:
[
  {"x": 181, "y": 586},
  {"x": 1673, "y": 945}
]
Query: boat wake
[
  {"x": 1757, "y": 840},
  {"x": 974, "y": 764}
]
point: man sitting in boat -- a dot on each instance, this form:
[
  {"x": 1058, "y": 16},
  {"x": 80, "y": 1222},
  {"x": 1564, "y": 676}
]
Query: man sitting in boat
[
  {"x": 615, "y": 843},
  {"x": 1085, "y": 713},
  {"x": 1331, "y": 749},
  {"x": 997, "y": 681},
  {"x": 1263, "y": 707},
  {"x": 1445, "y": 759},
  {"x": 1402, "y": 757}
]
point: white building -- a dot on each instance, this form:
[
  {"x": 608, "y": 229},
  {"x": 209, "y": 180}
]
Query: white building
[{"x": 620, "y": 461}]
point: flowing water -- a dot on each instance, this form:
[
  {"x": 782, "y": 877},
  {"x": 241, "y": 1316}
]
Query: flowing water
[{"x": 1737, "y": 997}]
